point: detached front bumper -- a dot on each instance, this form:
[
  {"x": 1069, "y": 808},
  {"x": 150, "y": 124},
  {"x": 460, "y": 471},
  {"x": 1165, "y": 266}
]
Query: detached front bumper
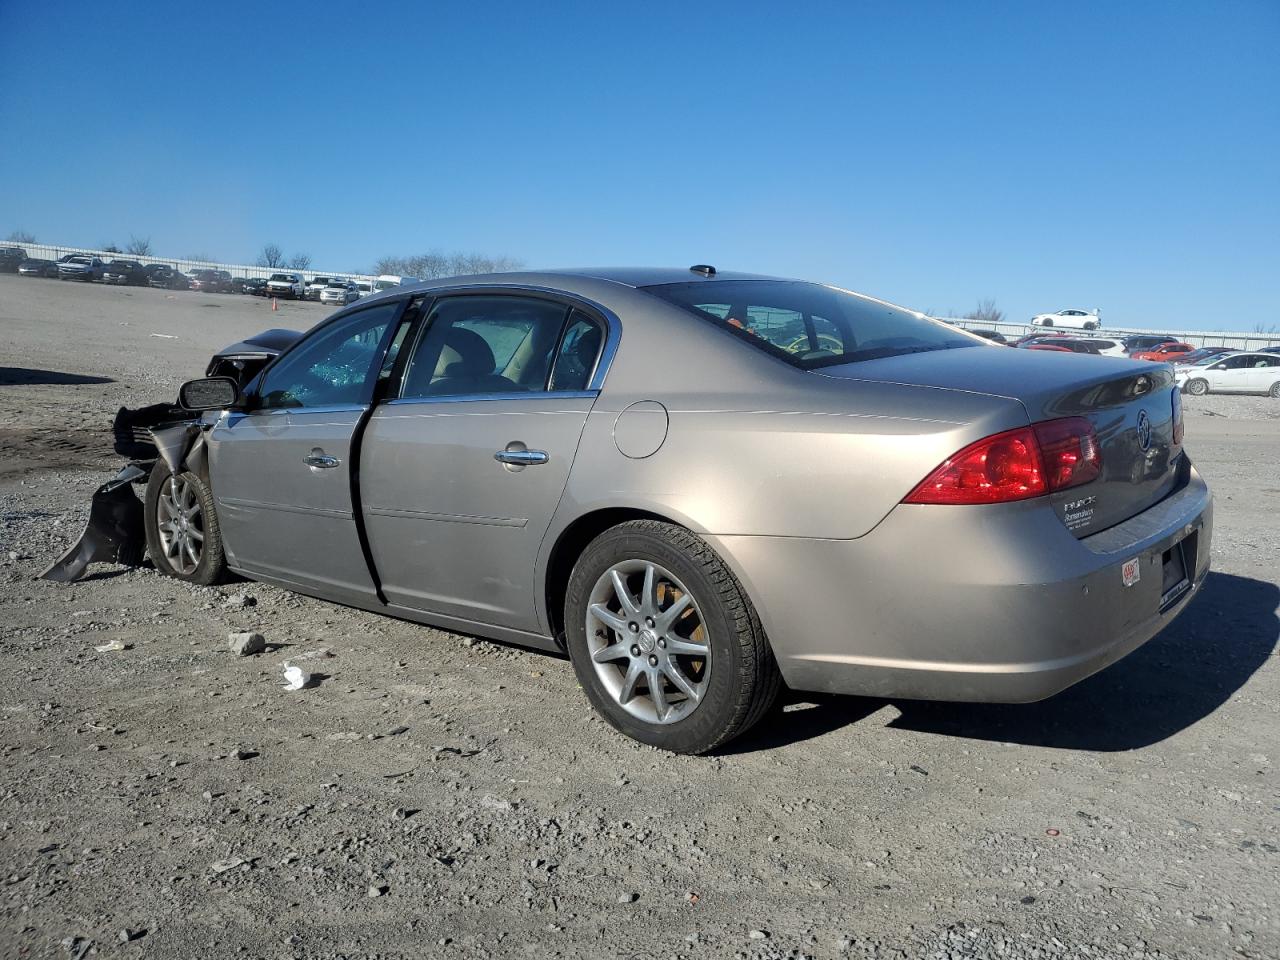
[{"x": 987, "y": 603}]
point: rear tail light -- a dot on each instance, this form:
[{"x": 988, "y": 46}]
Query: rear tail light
[
  {"x": 1177, "y": 416},
  {"x": 1016, "y": 465}
]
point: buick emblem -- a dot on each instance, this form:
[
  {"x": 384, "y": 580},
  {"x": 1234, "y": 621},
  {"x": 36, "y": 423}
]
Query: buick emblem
[{"x": 1144, "y": 430}]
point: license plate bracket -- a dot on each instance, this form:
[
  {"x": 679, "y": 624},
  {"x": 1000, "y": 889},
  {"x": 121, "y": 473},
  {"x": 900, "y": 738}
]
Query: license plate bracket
[{"x": 1177, "y": 568}]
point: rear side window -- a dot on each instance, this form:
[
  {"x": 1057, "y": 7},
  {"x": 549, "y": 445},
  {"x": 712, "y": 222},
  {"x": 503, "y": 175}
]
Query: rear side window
[{"x": 809, "y": 325}]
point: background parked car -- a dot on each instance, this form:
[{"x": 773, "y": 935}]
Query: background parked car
[
  {"x": 80, "y": 268},
  {"x": 1204, "y": 355},
  {"x": 364, "y": 287},
  {"x": 34, "y": 267},
  {"x": 170, "y": 278},
  {"x": 11, "y": 258},
  {"x": 1145, "y": 341},
  {"x": 1078, "y": 319},
  {"x": 995, "y": 336},
  {"x": 1165, "y": 353},
  {"x": 129, "y": 272},
  {"x": 316, "y": 285},
  {"x": 1069, "y": 344},
  {"x": 208, "y": 281},
  {"x": 254, "y": 286},
  {"x": 339, "y": 292},
  {"x": 289, "y": 285},
  {"x": 1235, "y": 373}
]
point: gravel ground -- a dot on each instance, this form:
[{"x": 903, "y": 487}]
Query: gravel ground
[{"x": 438, "y": 795}]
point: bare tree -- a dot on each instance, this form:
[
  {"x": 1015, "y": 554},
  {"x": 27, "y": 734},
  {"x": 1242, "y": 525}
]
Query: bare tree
[
  {"x": 300, "y": 261},
  {"x": 430, "y": 266},
  {"x": 139, "y": 246},
  {"x": 271, "y": 256},
  {"x": 21, "y": 236},
  {"x": 1264, "y": 328},
  {"x": 986, "y": 312}
]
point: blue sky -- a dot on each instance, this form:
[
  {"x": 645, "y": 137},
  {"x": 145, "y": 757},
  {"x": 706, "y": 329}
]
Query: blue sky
[{"x": 1116, "y": 155}]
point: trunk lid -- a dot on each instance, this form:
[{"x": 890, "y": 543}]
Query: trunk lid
[{"x": 1131, "y": 404}]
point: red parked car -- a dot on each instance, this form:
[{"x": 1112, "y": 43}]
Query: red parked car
[{"x": 1165, "y": 353}]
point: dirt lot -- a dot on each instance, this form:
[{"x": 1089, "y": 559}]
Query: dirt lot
[{"x": 443, "y": 796}]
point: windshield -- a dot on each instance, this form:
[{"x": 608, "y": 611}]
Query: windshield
[
  {"x": 282, "y": 276},
  {"x": 809, "y": 325}
]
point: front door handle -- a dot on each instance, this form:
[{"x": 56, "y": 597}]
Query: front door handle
[
  {"x": 521, "y": 458},
  {"x": 318, "y": 458}
]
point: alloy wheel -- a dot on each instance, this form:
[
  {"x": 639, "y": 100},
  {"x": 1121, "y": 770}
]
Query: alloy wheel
[
  {"x": 180, "y": 524},
  {"x": 648, "y": 642}
]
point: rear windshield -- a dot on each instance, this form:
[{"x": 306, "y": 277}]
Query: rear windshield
[{"x": 809, "y": 325}]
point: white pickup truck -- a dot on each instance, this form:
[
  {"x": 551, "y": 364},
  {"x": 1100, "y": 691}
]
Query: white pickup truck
[{"x": 289, "y": 285}]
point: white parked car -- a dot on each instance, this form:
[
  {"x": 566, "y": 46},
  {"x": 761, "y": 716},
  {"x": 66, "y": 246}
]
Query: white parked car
[
  {"x": 287, "y": 285},
  {"x": 339, "y": 292},
  {"x": 1074, "y": 319},
  {"x": 1232, "y": 373},
  {"x": 389, "y": 281},
  {"x": 364, "y": 288}
]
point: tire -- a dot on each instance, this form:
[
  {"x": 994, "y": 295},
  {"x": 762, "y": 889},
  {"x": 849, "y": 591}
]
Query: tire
[
  {"x": 1275, "y": 390},
  {"x": 715, "y": 643},
  {"x": 1091, "y": 325},
  {"x": 1046, "y": 323},
  {"x": 166, "y": 546},
  {"x": 1198, "y": 387}
]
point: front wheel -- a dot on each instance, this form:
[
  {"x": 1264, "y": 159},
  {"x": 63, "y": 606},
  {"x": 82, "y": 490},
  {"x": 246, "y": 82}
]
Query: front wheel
[
  {"x": 1091, "y": 325},
  {"x": 664, "y": 641},
  {"x": 183, "y": 539},
  {"x": 1198, "y": 387},
  {"x": 1275, "y": 390}
]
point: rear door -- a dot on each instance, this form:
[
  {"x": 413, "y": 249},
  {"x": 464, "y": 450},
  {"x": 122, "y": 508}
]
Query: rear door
[
  {"x": 1264, "y": 371},
  {"x": 1230, "y": 374},
  {"x": 281, "y": 471},
  {"x": 460, "y": 474}
]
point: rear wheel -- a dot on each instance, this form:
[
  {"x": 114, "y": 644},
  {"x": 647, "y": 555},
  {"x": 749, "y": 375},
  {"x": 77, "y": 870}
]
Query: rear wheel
[
  {"x": 183, "y": 539},
  {"x": 1275, "y": 390},
  {"x": 1091, "y": 325},
  {"x": 1198, "y": 387},
  {"x": 664, "y": 641}
]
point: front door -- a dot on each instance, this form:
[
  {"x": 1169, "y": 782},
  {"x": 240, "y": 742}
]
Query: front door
[
  {"x": 461, "y": 473},
  {"x": 281, "y": 471}
]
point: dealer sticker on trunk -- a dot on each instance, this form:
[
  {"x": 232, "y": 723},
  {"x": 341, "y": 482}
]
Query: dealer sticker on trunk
[{"x": 1131, "y": 572}]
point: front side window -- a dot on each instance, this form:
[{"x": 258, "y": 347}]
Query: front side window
[
  {"x": 501, "y": 344},
  {"x": 332, "y": 367},
  {"x": 809, "y": 325}
]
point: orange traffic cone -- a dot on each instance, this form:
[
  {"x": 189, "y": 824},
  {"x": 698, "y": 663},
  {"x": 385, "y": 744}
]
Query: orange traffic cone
[{"x": 274, "y": 305}]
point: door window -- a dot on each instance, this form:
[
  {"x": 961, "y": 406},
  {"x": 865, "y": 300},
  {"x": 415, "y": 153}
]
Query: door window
[
  {"x": 486, "y": 345},
  {"x": 332, "y": 366},
  {"x": 576, "y": 358}
]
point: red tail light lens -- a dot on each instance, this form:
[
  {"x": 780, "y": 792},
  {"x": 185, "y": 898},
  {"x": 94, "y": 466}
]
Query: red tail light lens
[
  {"x": 1070, "y": 451},
  {"x": 996, "y": 469},
  {"x": 1016, "y": 465}
]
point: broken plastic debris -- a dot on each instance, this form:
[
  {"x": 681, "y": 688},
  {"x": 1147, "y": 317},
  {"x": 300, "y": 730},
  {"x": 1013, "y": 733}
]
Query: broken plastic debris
[
  {"x": 295, "y": 678},
  {"x": 222, "y": 866},
  {"x": 112, "y": 646}
]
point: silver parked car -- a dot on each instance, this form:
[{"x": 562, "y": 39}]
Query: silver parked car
[
  {"x": 701, "y": 485},
  {"x": 339, "y": 292}
]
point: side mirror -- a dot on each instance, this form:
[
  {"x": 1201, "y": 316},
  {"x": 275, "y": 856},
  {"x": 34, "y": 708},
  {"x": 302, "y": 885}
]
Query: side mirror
[{"x": 209, "y": 393}]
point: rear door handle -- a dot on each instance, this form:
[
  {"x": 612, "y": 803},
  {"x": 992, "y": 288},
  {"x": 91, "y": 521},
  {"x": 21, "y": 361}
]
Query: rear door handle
[
  {"x": 323, "y": 461},
  {"x": 521, "y": 458}
]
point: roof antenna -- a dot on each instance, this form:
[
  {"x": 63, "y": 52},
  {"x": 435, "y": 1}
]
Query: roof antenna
[{"x": 703, "y": 268}]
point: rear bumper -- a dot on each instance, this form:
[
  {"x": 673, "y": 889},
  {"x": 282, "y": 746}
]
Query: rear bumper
[{"x": 989, "y": 604}]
